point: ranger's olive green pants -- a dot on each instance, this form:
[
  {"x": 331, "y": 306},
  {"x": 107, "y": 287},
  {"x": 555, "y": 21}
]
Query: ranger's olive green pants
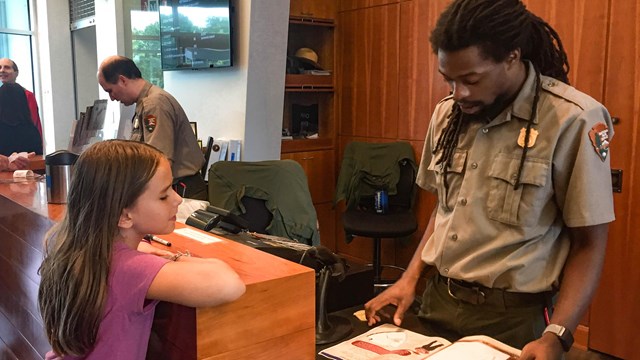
[{"x": 451, "y": 318}]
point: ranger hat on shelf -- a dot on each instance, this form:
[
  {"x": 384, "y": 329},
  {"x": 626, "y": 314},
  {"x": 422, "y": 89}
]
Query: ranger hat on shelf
[{"x": 308, "y": 59}]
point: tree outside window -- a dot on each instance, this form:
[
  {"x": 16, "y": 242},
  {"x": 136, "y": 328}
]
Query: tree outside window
[
  {"x": 16, "y": 38},
  {"x": 145, "y": 35}
]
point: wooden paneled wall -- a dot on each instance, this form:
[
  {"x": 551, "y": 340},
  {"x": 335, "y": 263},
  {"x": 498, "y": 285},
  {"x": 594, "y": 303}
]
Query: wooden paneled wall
[
  {"x": 615, "y": 313},
  {"x": 387, "y": 89}
]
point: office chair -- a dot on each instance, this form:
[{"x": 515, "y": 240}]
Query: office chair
[
  {"x": 207, "y": 156},
  {"x": 272, "y": 195},
  {"x": 366, "y": 169}
]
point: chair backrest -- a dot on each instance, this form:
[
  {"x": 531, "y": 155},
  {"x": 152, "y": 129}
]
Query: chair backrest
[
  {"x": 403, "y": 199},
  {"x": 406, "y": 187},
  {"x": 281, "y": 185},
  {"x": 257, "y": 214},
  {"x": 369, "y": 167}
]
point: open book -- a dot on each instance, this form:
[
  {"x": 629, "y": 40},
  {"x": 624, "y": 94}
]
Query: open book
[{"x": 391, "y": 342}]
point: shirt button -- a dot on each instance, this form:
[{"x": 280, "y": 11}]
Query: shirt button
[
  {"x": 514, "y": 176},
  {"x": 463, "y": 201},
  {"x": 446, "y": 270},
  {"x": 474, "y": 165},
  {"x": 485, "y": 130},
  {"x": 454, "y": 237}
]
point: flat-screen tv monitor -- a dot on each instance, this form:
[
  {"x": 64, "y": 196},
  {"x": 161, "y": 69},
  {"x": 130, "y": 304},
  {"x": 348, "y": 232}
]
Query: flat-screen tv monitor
[{"x": 195, "y": 34}]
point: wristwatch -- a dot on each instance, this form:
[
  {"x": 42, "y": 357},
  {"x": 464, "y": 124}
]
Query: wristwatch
[{"x": 563, "y": 334}]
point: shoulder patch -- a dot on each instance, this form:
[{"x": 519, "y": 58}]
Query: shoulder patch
[
  {"x": 599, "y": 136},
  {"x": 150, "y": 122}
]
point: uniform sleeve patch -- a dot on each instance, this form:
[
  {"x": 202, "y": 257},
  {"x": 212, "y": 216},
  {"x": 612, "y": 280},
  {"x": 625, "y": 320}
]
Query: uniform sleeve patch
[
  {"x": 599, "y": 135},
  {"x": 150, "y": 122}
]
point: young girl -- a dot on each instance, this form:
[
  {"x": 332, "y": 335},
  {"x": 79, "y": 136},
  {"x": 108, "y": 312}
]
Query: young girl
[{"x": 97, "y": 292}]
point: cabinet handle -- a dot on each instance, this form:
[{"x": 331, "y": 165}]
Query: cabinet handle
[
  {"x": 615, "y": 120},
  {"x": 616, "y": 180},
  {"x": 308, "y": 158}
]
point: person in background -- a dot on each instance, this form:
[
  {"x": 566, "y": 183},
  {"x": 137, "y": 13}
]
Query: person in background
[
  {"x": 159, "y": 120},
  {"x": 17, "y": 132},
  {"x": 519, "y": 161},
  {"x": 8, "y": 74},
  {"x": 98, "y": 292}
]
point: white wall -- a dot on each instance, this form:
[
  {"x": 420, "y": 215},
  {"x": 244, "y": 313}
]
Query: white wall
[
  {"x": 57, "y": 104},
  {"x": 265, "y": 83},
  {"x": 84, "y": 59}
]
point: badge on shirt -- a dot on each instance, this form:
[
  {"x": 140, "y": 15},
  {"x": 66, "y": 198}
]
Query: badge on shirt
[
  {"x": 599, "y": 135},
  {"x": 150, "y": 122},
  {"x": 533, "y": 135}
]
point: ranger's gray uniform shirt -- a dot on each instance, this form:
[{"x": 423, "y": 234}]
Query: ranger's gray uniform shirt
[
  {"x": 160, "y": 121},
  {"x": 516, "y": 240}
]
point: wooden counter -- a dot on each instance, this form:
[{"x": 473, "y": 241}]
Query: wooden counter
[
  {"x": 274, "y": 319},
  {"x": 36, "y": 163}
]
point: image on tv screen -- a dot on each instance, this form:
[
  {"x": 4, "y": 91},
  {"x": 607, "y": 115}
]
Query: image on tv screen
[{"x": 195, "y": 34}]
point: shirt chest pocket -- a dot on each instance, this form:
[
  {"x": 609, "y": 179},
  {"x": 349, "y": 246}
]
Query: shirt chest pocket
[
  {"x": 448, "y": 192},
  {"x": 520, "y": 206}
]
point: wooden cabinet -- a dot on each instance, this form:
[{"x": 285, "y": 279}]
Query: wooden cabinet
[
  {"x": 306, "y": 97},
  {"x": 312, "y": 25},
  {"x": 609, "y": 74},
  {"x": 319, "y": 166},
  {"x": 615, "y": 313},
  {"x": 369, "y": 48},
  {"x": 307, "y": 89},
  {"x": 324, "y": 9}
]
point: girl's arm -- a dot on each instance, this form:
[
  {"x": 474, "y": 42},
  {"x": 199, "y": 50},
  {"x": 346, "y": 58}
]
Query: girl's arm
[{"x": 196, "y": 282}]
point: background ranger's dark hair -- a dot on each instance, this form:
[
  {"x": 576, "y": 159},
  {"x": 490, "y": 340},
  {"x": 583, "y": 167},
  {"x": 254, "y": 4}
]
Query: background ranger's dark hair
[
  {"x": 497, "y": 27},
  {"x": 120, "y": 66}
]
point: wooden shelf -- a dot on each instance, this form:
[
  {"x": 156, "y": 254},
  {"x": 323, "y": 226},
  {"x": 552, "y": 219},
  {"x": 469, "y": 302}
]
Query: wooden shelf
[
  {"x": 311, "y": 21},
  {"x": 303, "y": 82},
  {"x": 311, "y": 27},
  {"x": 297, "y": 145}
]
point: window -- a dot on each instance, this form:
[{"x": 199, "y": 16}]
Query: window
[
  {"x": 145, "y": 43},
  {"x": 16, "y": 38}
]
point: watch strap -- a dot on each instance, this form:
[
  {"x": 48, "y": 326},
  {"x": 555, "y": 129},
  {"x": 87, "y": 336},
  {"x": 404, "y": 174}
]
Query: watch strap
[{"x": 563, "y": 334}]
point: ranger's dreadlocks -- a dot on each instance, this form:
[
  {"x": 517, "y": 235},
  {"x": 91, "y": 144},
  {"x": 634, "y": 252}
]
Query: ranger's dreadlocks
[{"x": 497, "y": 27}]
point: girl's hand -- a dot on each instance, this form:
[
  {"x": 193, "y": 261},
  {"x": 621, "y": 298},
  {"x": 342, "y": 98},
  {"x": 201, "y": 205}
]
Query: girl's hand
[
  {"x": 52, "y": 356},
  {"x": 145, "y": 247}
]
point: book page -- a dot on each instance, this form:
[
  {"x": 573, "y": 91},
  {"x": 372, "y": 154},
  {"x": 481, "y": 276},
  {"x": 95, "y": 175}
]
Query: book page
[
  {"x": 478, "y": 348},
  {"x": 386, "y": 341}
]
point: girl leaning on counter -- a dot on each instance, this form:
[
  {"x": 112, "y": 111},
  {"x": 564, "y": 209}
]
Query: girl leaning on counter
[{"x": 99, "y": 283}]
